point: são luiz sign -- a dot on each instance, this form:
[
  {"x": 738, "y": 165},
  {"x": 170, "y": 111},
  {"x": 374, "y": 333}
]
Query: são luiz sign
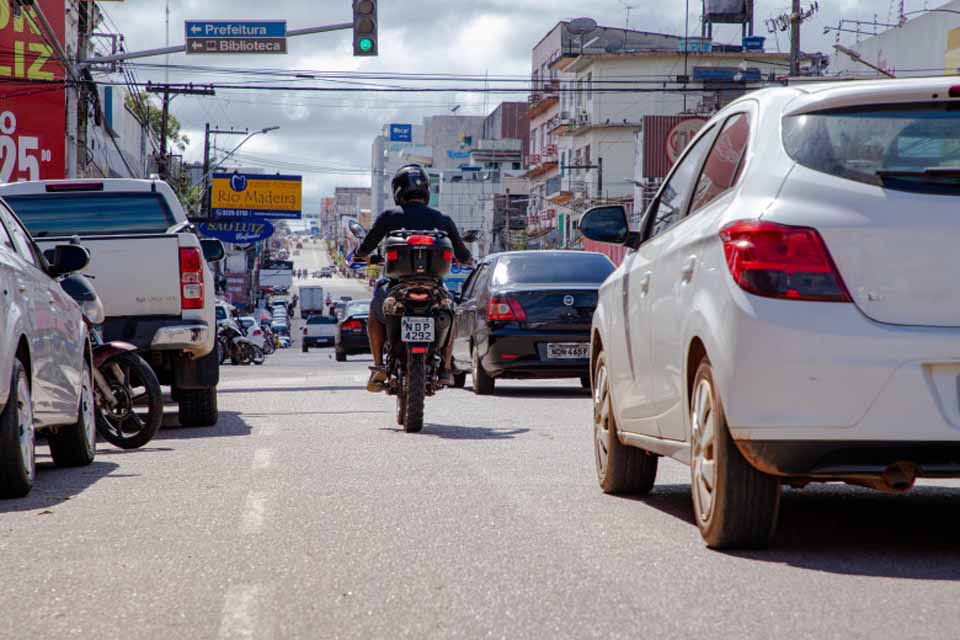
[
  {"x": 252, "y": 195},
  {"x": 238, "y": 231}
]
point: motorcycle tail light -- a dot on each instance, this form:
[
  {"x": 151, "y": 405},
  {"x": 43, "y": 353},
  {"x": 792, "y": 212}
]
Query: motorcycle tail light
[
  {"x": 393, "y": 254},
  {"x": 418, "y": 350},
  {"x": 447, "y": 254},
  {"x": 418, "y": 296},
  {"x": 421, "y": 241}
]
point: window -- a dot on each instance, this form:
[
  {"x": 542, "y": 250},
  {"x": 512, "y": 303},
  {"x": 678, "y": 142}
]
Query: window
[
  {"x": 548, "y": 268},
  {"x": 725, "y": 162},
  {"x": 911, "y": 147},
  {"x": 21, "y": 239},
  {"x": 89, "y": 214},
  {"x": 667, "y": 209},
  {"x": 590, "y": 86}
]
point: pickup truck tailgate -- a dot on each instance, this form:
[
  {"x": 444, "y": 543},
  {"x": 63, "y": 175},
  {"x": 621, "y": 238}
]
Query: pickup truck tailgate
[{"x": 135, "y": 275}]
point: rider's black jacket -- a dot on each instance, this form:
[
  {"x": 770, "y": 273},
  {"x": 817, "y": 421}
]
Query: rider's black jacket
[{"x": 414, "y": 217}]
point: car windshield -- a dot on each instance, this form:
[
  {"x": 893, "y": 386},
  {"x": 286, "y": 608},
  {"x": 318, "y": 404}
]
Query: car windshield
[
  {"x": 92, "y": 214},
  {"x": 907, "y": 147},
  {"x": 358, "y": 308},
  {"x": 552, "y": 268}
]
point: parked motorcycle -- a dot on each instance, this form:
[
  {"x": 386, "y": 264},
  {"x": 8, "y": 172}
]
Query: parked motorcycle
[
  {"x": 419, "y": 314},
  {"x": 127, "y": 395},
  {"x": 233, "y": 344}
]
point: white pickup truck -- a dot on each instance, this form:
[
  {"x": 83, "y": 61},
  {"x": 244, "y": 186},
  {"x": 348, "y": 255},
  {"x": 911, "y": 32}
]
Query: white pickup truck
[{"x": 149, "y": 268}]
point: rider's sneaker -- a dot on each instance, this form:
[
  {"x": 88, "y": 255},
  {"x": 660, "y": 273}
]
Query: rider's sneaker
[
  {"x": 378, "y": 380},
  {"x": 445, "y": 377}
]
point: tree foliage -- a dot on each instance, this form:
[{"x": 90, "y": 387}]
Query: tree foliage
[{"x": 143, "y": 107}]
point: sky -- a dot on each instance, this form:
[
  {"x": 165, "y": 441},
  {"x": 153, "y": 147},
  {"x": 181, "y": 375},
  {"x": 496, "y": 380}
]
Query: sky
[{"x": 330, "y": 134}]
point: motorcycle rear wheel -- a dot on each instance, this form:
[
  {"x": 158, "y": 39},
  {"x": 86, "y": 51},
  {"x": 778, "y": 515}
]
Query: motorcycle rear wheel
[
  {"x": 416, "y": 389},
  {"x": 137, "y": 386},
  {"x": 257, "y": 356}
]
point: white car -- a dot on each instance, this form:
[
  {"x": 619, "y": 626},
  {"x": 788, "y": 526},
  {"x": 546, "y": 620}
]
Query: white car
[
  {"x": 254, "y": 332},
  {"x": 789, "y": 310},
  {"x": 46, "y": 374}
]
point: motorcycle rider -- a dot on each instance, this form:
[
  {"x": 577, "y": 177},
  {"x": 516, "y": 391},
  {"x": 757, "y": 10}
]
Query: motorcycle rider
[{"x": 411, "y": 192}]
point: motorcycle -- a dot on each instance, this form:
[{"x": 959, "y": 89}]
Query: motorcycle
[
  {"x": 418, "y": 311},
  {"x": 234, "y": 344},
  {"x": 124, "y": 384}
]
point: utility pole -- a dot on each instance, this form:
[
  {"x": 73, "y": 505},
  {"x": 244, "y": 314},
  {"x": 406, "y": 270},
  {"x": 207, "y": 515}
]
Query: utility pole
[
  {"x": 169, "y": 91},
  {"x": 205, "y": 206},
  {"x": 795, "y": 20}
]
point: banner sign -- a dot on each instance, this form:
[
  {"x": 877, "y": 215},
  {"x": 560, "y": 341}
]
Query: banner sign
[
  {"x": 457, "y": 276},
  {"x": 238, "y": 231},
  {"x": 33, "y": 141},
  {"x": 401, "y": 133},
  {"x": 251, "y": 195}
]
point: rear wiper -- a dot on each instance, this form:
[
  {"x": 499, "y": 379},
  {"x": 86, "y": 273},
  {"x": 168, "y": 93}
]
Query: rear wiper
[{"x": 934, "y": 172}]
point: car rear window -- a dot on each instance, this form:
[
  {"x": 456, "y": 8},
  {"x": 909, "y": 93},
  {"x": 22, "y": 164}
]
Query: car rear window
[
  {"x": 549, "y": 268},
  {"x": 322, "y": 320},
  {"x": 358, "y": 308},
  {"x": 92, "y": 214},
  {"x": 909, "y": 147}
]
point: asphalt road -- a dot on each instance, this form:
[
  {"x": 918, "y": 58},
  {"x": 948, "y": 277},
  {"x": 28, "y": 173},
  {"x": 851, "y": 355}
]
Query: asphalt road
[{"x": 307, "y": 514}]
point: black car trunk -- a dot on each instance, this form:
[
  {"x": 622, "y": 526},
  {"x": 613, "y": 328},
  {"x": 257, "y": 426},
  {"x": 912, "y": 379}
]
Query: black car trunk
[{"x": 555, "y": 307}]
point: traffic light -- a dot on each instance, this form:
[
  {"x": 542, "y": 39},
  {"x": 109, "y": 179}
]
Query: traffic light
[{"x": 364, "y": 27}]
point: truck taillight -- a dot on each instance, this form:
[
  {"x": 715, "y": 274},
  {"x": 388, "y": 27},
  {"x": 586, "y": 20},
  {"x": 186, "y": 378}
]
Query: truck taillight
[
  {"x": 191, "y": 278},
  {"x": 781, "y": 261}
]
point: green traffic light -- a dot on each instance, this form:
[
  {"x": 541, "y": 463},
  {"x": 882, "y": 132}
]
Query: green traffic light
[{"x": 366, "y": 44}]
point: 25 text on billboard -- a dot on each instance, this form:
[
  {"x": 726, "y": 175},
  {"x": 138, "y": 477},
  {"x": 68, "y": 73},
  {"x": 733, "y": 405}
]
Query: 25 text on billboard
[
  {"x": 236, "y": 36},
  {"x": 249, "y": 195},
  {"x": 33, "y": 142}
]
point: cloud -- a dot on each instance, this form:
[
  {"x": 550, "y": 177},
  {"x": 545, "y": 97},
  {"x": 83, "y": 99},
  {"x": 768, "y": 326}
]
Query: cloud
[{"x": 416, "y": 36}]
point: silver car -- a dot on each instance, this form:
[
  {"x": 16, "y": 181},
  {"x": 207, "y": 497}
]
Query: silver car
[{"x": 46, "y": 380}]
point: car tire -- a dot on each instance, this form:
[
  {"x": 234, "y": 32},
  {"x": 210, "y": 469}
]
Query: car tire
[
  {"x": 75, "y": 445},
  {"x": 18, "y": 466},
  {"x": 585, "y": 382},
  {"x": 483, "y": 384},
  {"x": 305, "y": 349},
  {"x": 459, "y": 380},
  {"x": 735, "y": 505},
  {"x": 620, "y": 468},
  {"x": 341, "y": 356},
  {"x": 198, "y": 407}
]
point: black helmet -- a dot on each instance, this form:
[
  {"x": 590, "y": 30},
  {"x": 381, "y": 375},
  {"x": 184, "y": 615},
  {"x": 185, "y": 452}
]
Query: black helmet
[{"x": 411, "y": 182}]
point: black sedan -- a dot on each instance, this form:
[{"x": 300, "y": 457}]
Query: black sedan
[
  {"x": 527, "y": 314},
  {"x": 352, "y": 330}
]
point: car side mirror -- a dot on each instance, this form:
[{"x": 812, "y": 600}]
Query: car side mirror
[
  {"x": 213, "y": 250},
  {"x": 67, "y": 258},
  {"x": 606, "y": 224}
]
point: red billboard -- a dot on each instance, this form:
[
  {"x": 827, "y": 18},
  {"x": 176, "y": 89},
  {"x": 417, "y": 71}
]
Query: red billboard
[
  {"x": 33, "y": 140},
  {"x": 664, "y": 139}
]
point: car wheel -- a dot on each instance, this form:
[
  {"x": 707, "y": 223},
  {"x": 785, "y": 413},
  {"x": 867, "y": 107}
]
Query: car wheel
[
  {"x": 305, "y": 348},
  {"x": 17, "y": 438},
  {"x": 735, "y": 504},
  {"x": 459, "y": 380},
  {"x": 585, "y": 382},
  {"x": 620, "y": 469},
  {"x": 198, "y": 407},
  {"x": 483, "y": 384},
  {"x": 341, "y": 356},
  {"x": 75, "y": 445}
]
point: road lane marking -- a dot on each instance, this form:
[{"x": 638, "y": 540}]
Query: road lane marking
[
  {"x": 254, "y": 513},
  {"x": 262, "y": 458},
  {"x": 240, "y": 611}
]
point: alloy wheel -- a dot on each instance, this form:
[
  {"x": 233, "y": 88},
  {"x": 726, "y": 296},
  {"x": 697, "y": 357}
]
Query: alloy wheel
[
  {"x": 704, "y": 432},
  {"x": 88, "y": 409},
  {"x": 27, "y": 434},
  {"x": 601, "y": 420}
]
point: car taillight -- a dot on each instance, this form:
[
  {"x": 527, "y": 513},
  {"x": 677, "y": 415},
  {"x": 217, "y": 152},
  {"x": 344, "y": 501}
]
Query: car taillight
[
  {"x": 354, "y": 326},
  {"x": 191, "y": 278},
  {"x": 58, "y": 187},
  {"x": 257, "y": 332},
  {"x": 781, "y": 261},
  {"x": 393, "y": 254},
  {"x": 505, "y": 309},
  {"x": 421, "y": 241}
]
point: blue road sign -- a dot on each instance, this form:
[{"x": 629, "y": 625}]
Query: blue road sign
[
  {"x": 243, "y": 29},
  {"x": 401, "y": 133}
]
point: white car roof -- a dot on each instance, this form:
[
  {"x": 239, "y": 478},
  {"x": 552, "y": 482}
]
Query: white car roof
[{"x": 837, "y": 95}]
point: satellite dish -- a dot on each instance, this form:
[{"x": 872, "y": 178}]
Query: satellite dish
[{"x": 581, "y": 26}]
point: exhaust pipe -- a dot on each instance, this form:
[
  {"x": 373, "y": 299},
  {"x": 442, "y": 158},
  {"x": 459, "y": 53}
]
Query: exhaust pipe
[{"x": 899, "y": 477}]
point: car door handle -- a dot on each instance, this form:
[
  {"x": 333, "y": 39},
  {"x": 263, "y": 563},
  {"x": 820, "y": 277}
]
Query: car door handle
[
  {"x": 645, "y": 283},
  {"x": 686, "y": 273}
]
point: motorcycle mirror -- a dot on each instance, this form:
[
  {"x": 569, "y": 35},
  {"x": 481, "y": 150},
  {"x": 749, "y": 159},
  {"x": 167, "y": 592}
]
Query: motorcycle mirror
[{"x": 357, "y": 230}]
